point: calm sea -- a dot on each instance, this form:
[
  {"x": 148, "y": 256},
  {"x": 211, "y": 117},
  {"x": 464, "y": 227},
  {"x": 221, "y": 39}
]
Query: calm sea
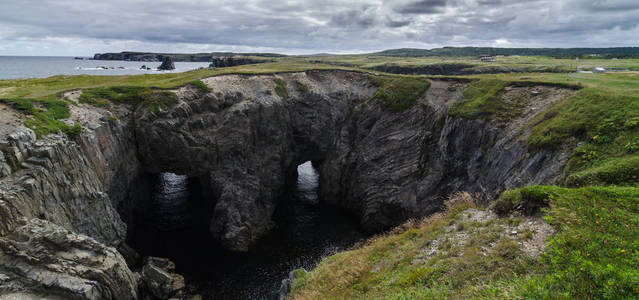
[{"x": 12, "y": 67}]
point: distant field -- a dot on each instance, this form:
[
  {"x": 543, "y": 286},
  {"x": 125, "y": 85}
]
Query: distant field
[{"x": 526, "y": 62}]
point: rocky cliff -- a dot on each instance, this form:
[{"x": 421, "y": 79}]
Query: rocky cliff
[
  {"x": 245, "y": 139},
  {"x": 52, "y": 189},
  {"x": 65, "y": 202}
]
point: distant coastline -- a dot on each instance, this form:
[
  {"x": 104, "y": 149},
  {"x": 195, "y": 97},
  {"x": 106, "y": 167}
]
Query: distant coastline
[{"x": 177, "y": 57}]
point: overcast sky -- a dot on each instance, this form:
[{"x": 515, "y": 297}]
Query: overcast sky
[{"x": 81, "y": 27}]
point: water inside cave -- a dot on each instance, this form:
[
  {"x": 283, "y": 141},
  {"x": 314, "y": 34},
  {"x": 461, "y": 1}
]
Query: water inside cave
[{"x": 305, "y": 232}]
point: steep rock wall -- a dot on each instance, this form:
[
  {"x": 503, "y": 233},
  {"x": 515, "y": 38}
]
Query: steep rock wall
[
  {"x": 245, "y": 139},
  {"x": 54, "y": 188}
]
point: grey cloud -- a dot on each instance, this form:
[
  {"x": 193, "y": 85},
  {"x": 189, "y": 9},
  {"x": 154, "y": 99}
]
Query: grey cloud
[
  {"x": 422, "y": 7},
  {"x": 396, "y": 23},
  {"x": 307, "y": 26}
]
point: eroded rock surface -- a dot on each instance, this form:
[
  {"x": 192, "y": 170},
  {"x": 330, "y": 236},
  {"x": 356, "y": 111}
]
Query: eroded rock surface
[
  {"x": 59, "y": 226},
  {"x": 44, "y": 259},
  {"x": 245, "y": 141}
]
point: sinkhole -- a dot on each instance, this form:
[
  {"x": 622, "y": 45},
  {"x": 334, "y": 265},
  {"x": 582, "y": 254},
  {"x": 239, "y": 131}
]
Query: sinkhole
[{"x": 174, "y": 223}]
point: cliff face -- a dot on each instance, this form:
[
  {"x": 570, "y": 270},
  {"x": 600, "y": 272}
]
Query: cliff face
[
  {"x": 63, "y": 200},
  {"x": 54, "y": 188},
  {"x": 244, "y": 141}
]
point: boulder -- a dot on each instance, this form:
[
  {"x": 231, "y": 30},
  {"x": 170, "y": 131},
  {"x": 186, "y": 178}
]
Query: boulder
[
  {"x": 158, "y": 279},
  {"x": 167, "y": 64}
]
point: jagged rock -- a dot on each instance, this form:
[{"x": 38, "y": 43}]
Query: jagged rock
[
  {"x": 245, "y": 141},
  {"x": 158, "y": 279},
  {"x": 230, "y": 61},
  {"x": 167, "y": 64},
  {"x": 41, "y": 258},
  {"x": 76, "y": 185}
]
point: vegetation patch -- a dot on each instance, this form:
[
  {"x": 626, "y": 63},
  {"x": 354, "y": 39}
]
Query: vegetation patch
[
  {"x": 301, "y": 87},
  {"x": 617, "y": 171},
  {"x": 132, "y": 95},
  {"x": 480, "y": 99},
  {"x": 401, "y": 265},
  {"x": 592, "y": 115},
  {"x": 200, "y": 86},
  {"x": 594, "y": 254},
  {"x": 280, "y": 88},
  {"x": 528, "y": 200},
  {"x": 397, "y": 94},
  {"x": 44, "y": 115}
]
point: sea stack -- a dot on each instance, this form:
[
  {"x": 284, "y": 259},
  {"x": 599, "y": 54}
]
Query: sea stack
[{"x": 167, "y": 64}]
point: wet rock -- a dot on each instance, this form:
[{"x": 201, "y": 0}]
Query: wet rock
[
  {"x": 159, "y": 280},
  {"x": 167, "y": 64},
  {"x": 287, "y": 284},
  {"x": 41, "y": 258}
]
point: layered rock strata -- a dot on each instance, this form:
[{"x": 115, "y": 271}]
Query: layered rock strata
[{"x": 244, "y": 141}]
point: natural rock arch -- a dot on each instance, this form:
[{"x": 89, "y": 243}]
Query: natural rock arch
[{"x": 244, "y": 140}]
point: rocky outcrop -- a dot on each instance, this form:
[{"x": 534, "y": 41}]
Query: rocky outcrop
[
  {"x": 167, "y": 64},
  {"x": 41, "y": 258},
  {"x": 245, "y": 141},
  {"x": 195, "y": 57},
  {"x": 158, "y": 279},
  {"x": 230, "y": 61},
  {"x": 59, "y": 202}
]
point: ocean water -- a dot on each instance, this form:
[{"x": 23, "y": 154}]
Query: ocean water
[
  {"x": 305, "y": 232},
  {"x": 14, "y": 67}
]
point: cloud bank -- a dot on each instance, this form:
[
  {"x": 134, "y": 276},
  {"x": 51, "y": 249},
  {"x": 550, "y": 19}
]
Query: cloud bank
[{"x": 76, "y": 27}]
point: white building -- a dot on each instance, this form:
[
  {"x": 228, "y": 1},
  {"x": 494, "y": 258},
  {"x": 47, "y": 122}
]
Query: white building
[{"x": 487, "y": 59}]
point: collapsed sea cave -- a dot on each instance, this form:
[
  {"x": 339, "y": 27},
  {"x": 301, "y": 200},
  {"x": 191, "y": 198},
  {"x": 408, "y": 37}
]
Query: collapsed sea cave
[
  {"x": 254, "y": 177},
  {"x": 175, "y": 225}
]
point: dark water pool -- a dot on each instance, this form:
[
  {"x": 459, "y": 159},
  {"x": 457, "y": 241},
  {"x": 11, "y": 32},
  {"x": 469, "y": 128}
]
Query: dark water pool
[{"x": 305, "y": 233}]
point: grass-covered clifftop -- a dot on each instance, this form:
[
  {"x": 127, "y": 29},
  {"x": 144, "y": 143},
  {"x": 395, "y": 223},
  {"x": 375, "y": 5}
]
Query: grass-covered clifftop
[
  {"x": 464, "y": 254},
  {"x": 593, "y": 249}
]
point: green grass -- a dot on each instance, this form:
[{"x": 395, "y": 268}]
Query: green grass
[
  {"x": 594, "y": 254},
  {"x": 132, "y": 95},
  {"x": 398, "y": 93},
  {"x": 480, "y": 99},
  {"x": 393, "y": 266},
  {"x": 200, "y": 86},
  {"x": 44, "y": 115},
  {"x": 280, "y": 88},
  {"x": 301, "y": 87}
]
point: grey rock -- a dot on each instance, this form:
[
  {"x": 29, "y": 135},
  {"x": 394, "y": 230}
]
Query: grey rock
[
  {"x": 159, "y": 280},
  {"x": 41, "y": 258},
  {"x": 287, "y": 284},
  {"x": 230, "y": 61},
  {"x": 167, "y": 64},
  {"x": 244, "y": 142}
]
